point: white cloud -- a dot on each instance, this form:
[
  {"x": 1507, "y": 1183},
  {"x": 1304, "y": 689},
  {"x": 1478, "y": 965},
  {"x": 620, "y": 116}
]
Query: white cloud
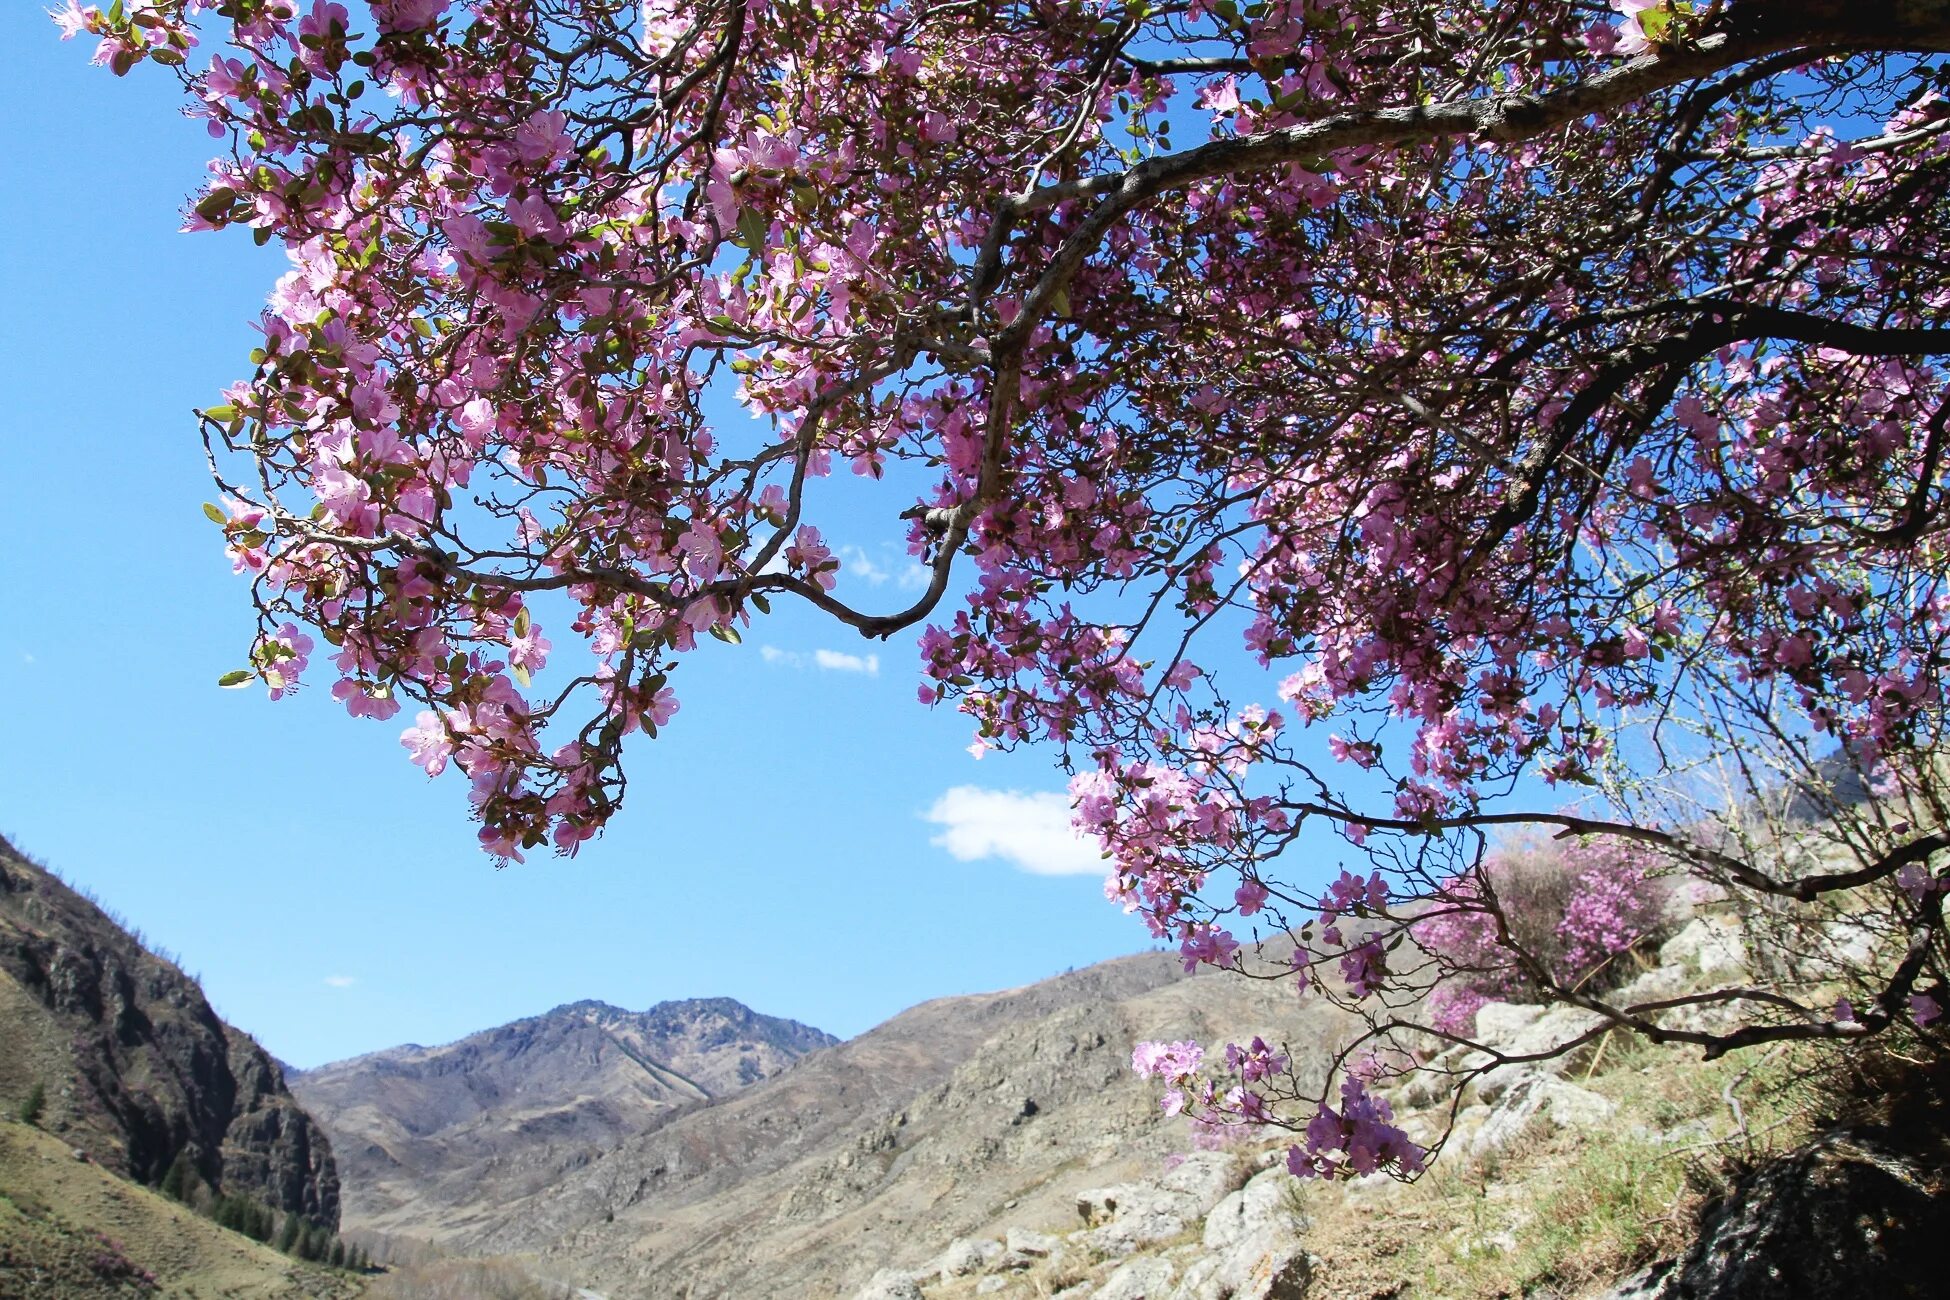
[
  {"x": 857, "y": 563},
  {"x": 914, "y": 577},
  {"x": 835, "y": 661},
  {"x": 1031, "y": 831},
  {"x": 832, "y": 661},
  {"x": 340, "y": 981}
]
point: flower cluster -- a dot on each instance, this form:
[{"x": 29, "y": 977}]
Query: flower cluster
[
  {"x": 1354, "y": 1139},
  {"x": 1573, "y": 909}
]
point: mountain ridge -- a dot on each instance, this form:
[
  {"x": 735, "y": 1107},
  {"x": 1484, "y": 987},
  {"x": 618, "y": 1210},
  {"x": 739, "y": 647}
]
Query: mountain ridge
[{"x": 499, "y": 1111}]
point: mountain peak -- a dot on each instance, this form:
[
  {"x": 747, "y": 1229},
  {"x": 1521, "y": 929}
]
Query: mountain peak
[{"x": 535, "y": 1095}]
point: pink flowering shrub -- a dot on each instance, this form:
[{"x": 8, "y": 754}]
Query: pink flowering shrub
[{"x": 1571, "y": 908}]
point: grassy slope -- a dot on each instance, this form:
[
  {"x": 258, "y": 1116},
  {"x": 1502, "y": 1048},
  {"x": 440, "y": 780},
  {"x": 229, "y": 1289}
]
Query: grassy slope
[{"x": 71, "y": 1229}]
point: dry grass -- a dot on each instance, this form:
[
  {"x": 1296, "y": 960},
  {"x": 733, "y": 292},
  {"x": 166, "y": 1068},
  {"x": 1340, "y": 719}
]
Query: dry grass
[
  {"x": 70, "y": 1230},
  {"x": 1557, "y": 1212}
]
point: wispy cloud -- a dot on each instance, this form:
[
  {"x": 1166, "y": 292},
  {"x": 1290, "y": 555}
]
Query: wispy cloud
[
  {"x": 837, "y": 661},
  {"x": 857, "y": 563},
  {"x": 892, "y": 565},
  {"x": 1030, "y": 831},
  {"x": 831, "y": 661},
  {"x": 341, "y": 981}
]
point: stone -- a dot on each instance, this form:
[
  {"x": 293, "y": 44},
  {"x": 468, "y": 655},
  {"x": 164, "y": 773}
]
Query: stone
[
  {"x": 1148, "y": 1278},
  {"x": 1843, "y": 948},
  {"x": 1133, "y": 1215},
  {"x": 1250, "y": 1272},
  {"x": 967, "y": 1255},
  {"x": 1545, "y": 1033},
  {"x": 1205, "y": 1178},
  {"x": 890, "y": 1284},
  {"x": 1655, "y": 985},
  {"x": 1564, "y": 1104},
  {"x": 1128, "y": 1233},
  {"x": 1850, "y": 1216},
  {"x": 1022, "y": 1241},
  {"x": 1709, "y": 944},
  {"x": 1649, "y": 1283},
  {"x": 990, "y": 1285},
  {"x": 1261, "y": 1210},
  {"x": 1501, "y": 1022}
]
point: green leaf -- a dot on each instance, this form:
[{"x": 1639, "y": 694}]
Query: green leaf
[
  {"x": 1657, "y": 23},
  {"x": 751, "y": 229},
  {"x": 221, "y": 414},
  {"x": 232, "y": 680},
  {"x": 521, "y": 674},
  {"x": 215, "y": 515}
]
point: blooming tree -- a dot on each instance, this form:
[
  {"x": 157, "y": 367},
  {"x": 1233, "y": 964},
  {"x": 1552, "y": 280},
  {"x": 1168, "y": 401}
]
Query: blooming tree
[{"x": 1545, "y": 395}]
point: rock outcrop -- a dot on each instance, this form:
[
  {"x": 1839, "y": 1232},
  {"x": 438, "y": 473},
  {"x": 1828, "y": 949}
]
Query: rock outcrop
[
  {"x": 135, "y": 1067},
  {"x": 1854, "y": 1214}
]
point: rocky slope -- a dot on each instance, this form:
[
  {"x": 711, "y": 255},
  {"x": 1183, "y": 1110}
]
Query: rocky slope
[
  {"x": 960, "y": 1116},
  {"x": 427, "y": 1134},
  {"x": 135, "y": 1066},
  {"x": 1560, "y": 1175}
]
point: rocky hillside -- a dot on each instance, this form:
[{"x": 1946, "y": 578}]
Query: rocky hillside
[
  {"x": 960, "y": 1116},
  {"x": 1774, "y": 1177},
  {"x": 135, "y": 1067},
  {"x": 427, "y": 1134}
]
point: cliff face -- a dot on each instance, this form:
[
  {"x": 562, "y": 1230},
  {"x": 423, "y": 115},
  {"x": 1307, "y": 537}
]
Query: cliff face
[
  {"x": 136, "y": 1066},
  {"x": 430, "y": 1135}
]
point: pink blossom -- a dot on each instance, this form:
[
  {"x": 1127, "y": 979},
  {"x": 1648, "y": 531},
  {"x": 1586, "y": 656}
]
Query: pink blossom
[
  {"x": 528, "y": 650},
  {"x": 1167, "y": 1060},
  {"x": 427, "y": 742},
  {"x": 73, "y": 20}
]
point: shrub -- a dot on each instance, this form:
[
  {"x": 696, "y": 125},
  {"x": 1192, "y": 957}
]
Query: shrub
[
  {"x": 1574, "y": 908},
  {"x": 30, "y": 1108}
]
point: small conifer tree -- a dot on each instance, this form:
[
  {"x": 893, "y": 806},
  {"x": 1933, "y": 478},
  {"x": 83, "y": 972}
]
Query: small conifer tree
[
  {"x": 176, "y": 1184},
  {"x": 288, "y": 1234},
  {"x": 30, "y": 1108}
]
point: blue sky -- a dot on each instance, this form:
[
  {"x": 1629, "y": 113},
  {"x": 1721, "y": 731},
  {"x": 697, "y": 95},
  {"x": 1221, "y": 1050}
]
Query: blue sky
[
  {"x": 778, "y": 845},
  {"x": 775, "y": 848}
]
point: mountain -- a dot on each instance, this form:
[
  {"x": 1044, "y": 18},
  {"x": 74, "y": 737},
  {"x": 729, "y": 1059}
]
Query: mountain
[
  {"x": 135, "y": 1068},
  {"x": 961, "y": 1115},
  {"x": 430, "y": 1133}
]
